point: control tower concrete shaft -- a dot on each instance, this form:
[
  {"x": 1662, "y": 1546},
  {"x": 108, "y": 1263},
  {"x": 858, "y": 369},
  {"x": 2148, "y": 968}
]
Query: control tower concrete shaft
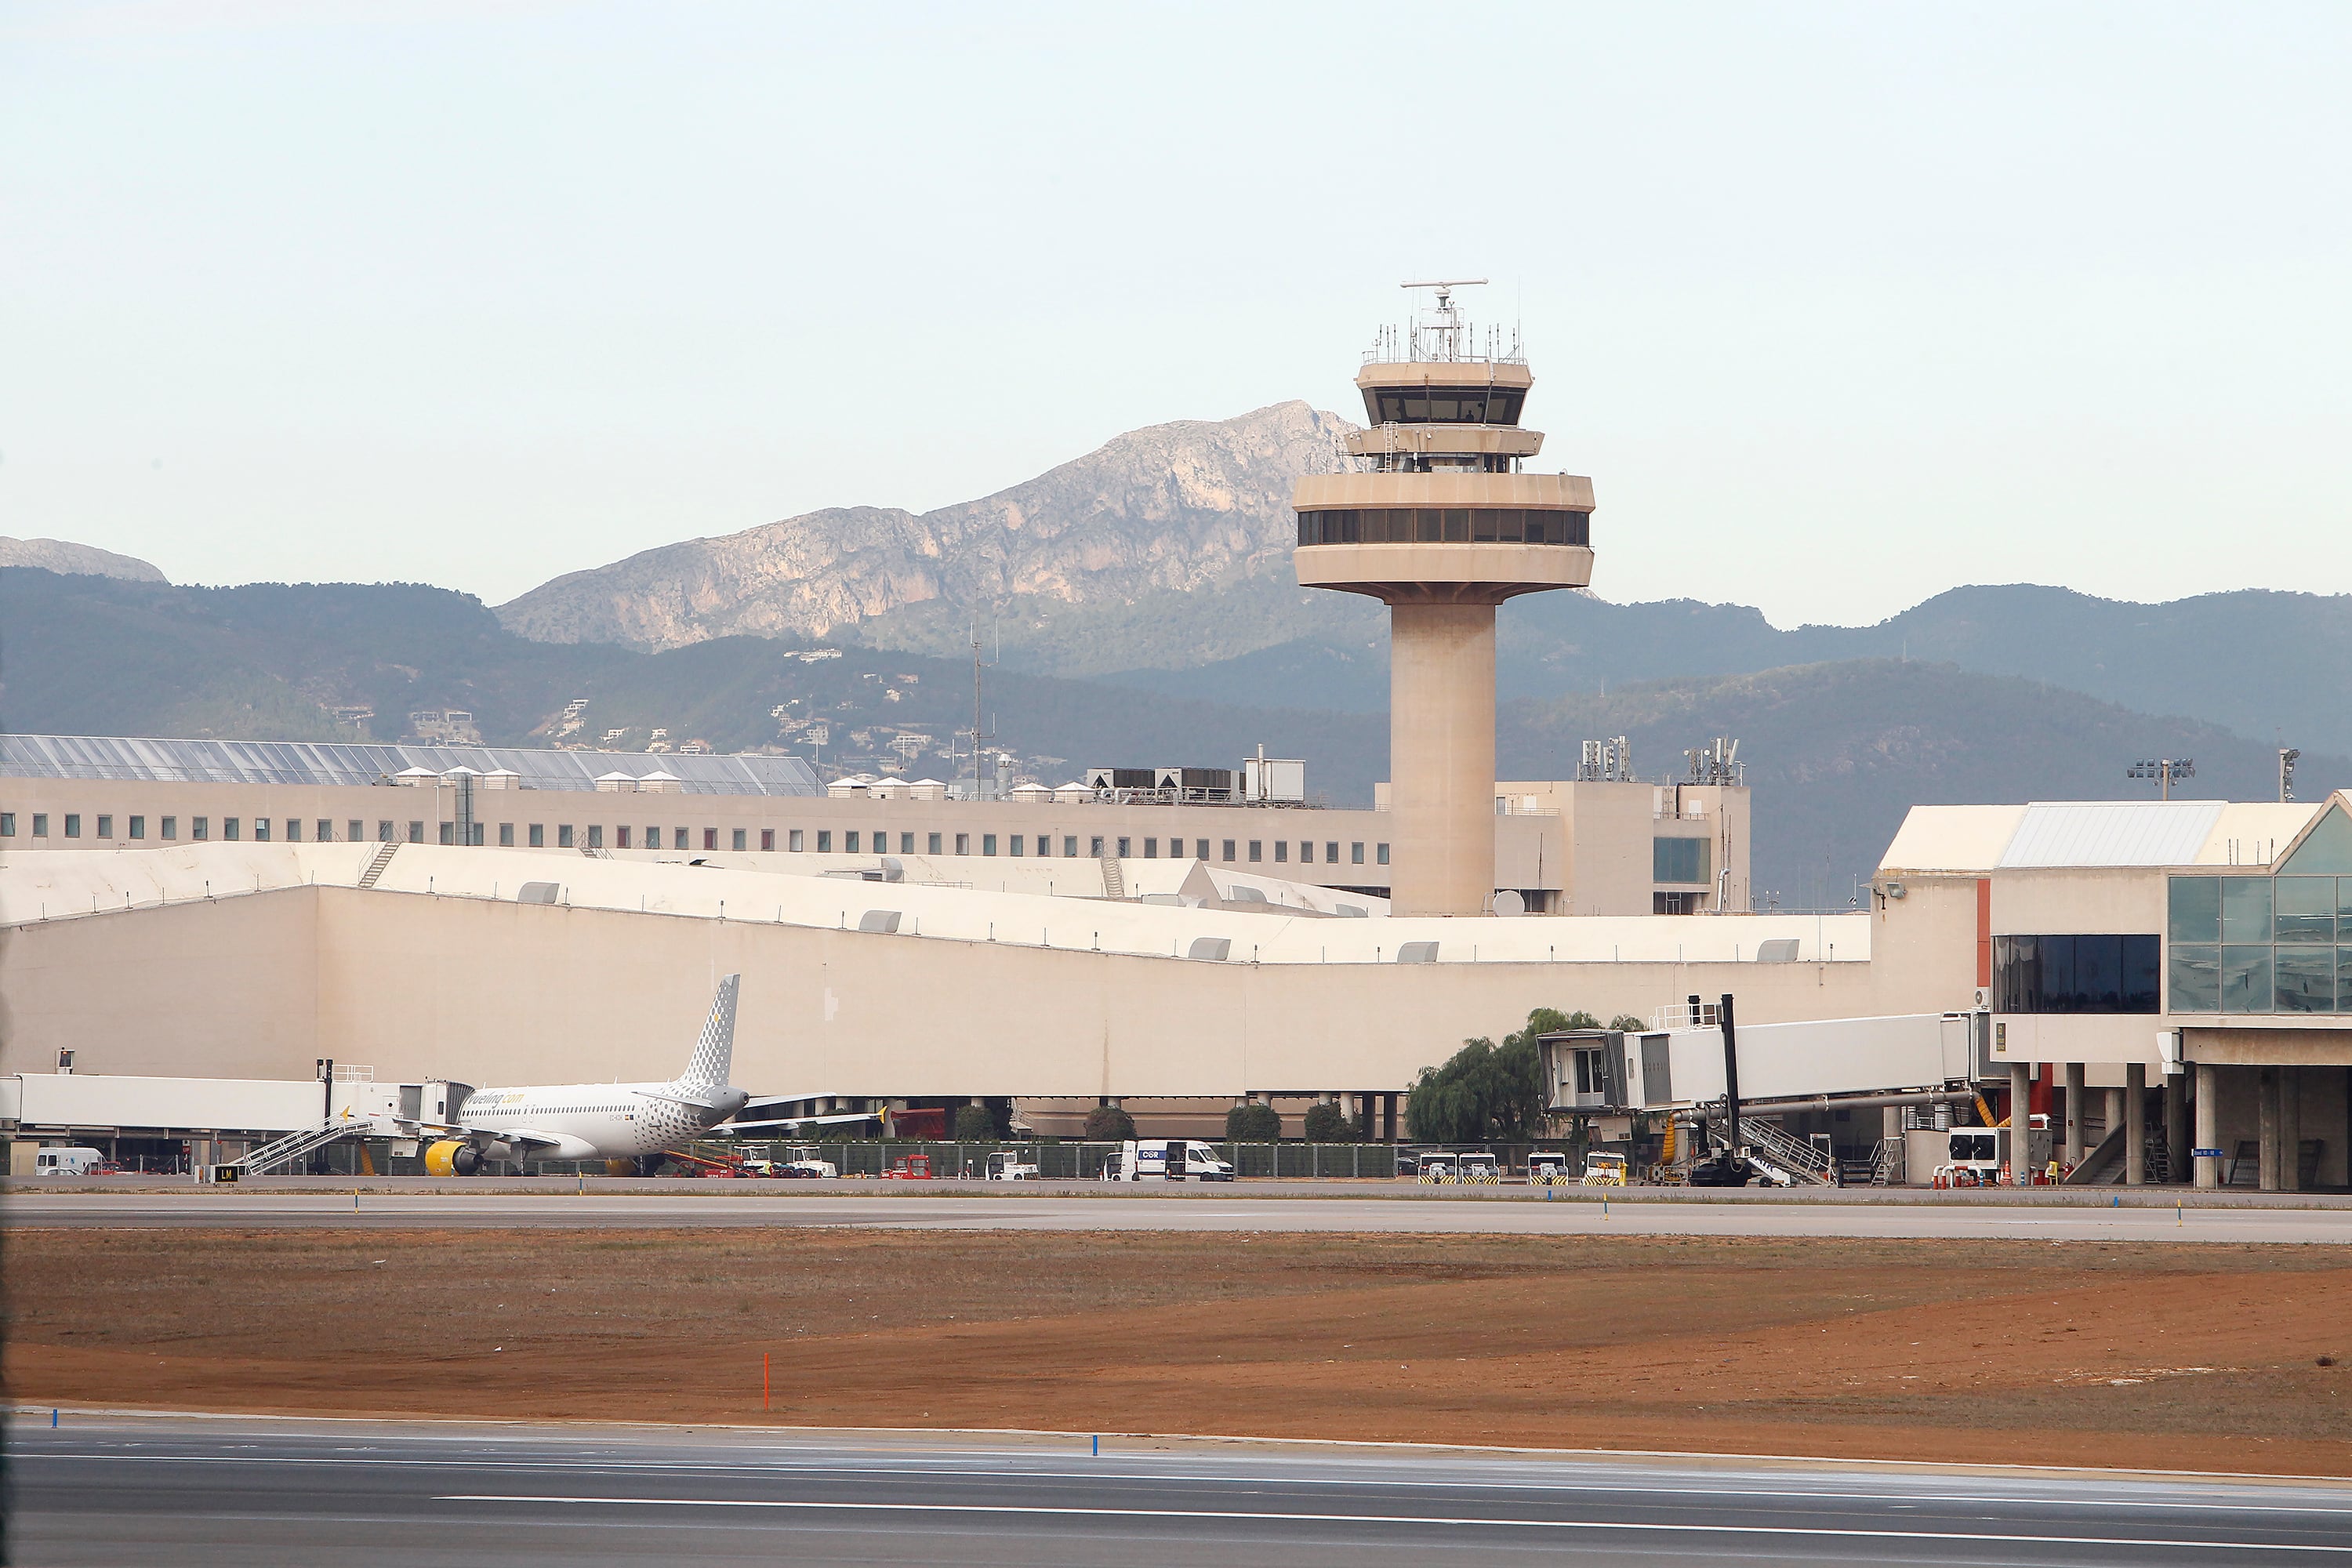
[{"x": 1442, "y": 524}]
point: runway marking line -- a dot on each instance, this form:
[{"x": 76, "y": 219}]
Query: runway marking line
[
  {"x": 1042, "y": 1511},
  {"x": 824, "y": 1472},
  {"x": 1213, "y": 1445}
]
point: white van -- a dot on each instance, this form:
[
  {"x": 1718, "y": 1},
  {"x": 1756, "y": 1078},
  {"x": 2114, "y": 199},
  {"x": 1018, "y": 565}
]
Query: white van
[
  {"x": 1166, "y": 1160},
  {"x": 69, "y": 1163}
]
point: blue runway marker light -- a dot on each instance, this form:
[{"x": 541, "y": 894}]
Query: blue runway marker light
[
  {"x": 53, "y": 1419},
  {"x": 1097, "y": 1445}
]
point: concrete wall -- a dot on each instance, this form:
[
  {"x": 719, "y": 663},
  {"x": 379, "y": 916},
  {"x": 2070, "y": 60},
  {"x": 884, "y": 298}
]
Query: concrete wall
[{"x": 420, "y": 986}]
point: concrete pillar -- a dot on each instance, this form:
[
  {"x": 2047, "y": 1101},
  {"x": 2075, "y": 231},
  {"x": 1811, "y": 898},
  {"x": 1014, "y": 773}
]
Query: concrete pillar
[
  {"x": 2073, "y": 1153},
  {"x": 2176, "y": 1126},
  {"x": 2290, "y": 1161},
  {"x": 1389, "y": 1117},
  {"x": 2021, "y": 1124},
  {"x": 1440, "y": 758},
  {"x": 2112, "y": 1113},
  {"x": 2266, "y": 1112},
  {"x": 2135, "y": 1124},
  {"x": 2208, "y": 1125}
]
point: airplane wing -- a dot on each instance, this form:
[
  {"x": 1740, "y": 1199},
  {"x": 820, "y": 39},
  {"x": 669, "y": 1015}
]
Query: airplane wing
[
  {"x": 726, "y": 1129},
  {"x": 556, "y": 1145}
]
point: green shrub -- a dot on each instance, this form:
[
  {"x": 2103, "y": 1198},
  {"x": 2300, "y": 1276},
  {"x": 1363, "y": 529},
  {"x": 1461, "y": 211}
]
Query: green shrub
[
  {"x": 1253, "y": 1123},
  {"x": 1108, "y": 1124},
  {"x": 973, "y": 1124},
  {"x": 1327, "y": 1124}
]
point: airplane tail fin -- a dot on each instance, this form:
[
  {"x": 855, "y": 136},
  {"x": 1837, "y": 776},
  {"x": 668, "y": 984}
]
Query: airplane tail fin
[{"x": 714, "y": 1053}]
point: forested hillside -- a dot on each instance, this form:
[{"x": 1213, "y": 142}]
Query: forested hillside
[{"x": 1836, "y": 751}]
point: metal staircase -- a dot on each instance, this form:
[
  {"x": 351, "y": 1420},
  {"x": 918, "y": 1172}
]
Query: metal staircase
[
  {"x": 297, "y": 1144},
  {"x": 1803, "y": 1159},
  {"x": 1113, "y": 884},
  {"x": 375, "y": 867},
  {"x": 1886, "y": 1165}
]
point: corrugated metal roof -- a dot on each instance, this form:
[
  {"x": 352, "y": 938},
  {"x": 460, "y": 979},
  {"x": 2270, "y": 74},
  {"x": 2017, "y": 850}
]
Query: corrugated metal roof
[
  {"x": 2111, "y": 833},
  {"x": 338, "y": 762}
]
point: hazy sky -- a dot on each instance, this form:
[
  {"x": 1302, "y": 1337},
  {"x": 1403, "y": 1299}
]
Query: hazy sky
[{"x": 1839, "y": 305}]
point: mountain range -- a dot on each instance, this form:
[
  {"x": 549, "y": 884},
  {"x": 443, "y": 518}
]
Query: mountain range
[
  {"x": 1835, "y": 751},
  {"x": 1139, "y": 606}
]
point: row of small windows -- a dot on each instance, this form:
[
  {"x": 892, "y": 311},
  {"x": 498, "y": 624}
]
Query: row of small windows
[
  {"x": 853, "y": 841},
  {"x": 1445, "y": 405},
  {"x": 1444, "y": 525}
]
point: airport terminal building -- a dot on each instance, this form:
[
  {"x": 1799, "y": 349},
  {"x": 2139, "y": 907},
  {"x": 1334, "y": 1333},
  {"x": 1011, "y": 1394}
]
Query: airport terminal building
[
  {"x": 2166, "y": 985},
  {"x": 2179, "y": 972}
]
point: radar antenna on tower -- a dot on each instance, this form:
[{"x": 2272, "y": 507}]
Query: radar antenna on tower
[{"x": 1441, "y": 335}]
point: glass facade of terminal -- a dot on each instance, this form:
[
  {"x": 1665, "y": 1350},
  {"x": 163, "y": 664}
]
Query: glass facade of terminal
[
  {"x": 2267, "y": 943},
  {"x": 1444, "y": 525}
]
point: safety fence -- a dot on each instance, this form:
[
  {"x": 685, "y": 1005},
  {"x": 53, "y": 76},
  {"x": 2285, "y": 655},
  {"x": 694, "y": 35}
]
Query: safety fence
[{"x": 1085, "y": 1161}]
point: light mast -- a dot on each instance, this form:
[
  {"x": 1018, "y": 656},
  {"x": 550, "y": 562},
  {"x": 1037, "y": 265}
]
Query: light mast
[{"x": 1441, "y": 525}]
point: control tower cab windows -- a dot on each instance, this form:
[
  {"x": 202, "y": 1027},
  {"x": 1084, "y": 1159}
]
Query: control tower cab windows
[
  {"x": 1444, "y": 525},
  {"x": 1443, "y": 404}
]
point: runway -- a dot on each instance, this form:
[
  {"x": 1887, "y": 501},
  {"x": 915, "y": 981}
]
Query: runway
[
  {"x": 872, "y": 1208},
  {"x": 196, "y": 1492}
]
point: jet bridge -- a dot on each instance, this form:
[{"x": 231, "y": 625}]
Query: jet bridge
[{"x": 1842, "y": 1061}]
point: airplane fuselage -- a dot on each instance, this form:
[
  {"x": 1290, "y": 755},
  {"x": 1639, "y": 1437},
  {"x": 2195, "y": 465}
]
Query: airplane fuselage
[{"x": 583, "y": 1120}]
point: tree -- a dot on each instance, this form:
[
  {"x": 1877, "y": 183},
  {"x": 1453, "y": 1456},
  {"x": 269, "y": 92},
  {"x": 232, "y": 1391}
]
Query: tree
[
  {"x": 1327, "y": 1124},
  {"x": 1253, "y": 1123},
  {"x": 1628, "y": 1024},
  {"x": 1485, "y": 1090},
  {"x": 1108, "y": 1124},
  {"x": 973, "y": 1124}
]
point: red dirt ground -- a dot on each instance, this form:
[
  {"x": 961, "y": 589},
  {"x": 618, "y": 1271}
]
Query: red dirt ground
[{"x": 2163, "y": 1357}]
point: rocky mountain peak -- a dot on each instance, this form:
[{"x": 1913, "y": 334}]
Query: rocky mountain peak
[
  {"x": 1170, "y": 507},
  {"x": 71, "y": 560}
]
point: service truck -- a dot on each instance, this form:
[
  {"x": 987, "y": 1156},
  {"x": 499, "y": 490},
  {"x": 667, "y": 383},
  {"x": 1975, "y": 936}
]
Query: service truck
[
  {"x": 69, "y": 1162},
  {"x": 1166, "y": 1160},
  {"x": 1009, "y": 1165}
]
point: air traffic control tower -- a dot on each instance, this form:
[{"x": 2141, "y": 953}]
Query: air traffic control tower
[{"x": 1441, "y": 523}]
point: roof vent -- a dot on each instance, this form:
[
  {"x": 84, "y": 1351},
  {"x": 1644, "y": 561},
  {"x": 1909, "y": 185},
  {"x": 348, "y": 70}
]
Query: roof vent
[
  {"x": 1779, "y": 950},
  {"x": 1211, "y": 949},
  {"x": 537, "y": 893},
  {"x": 1417, "y": 953},
  {"x": 882, "y": 922}
]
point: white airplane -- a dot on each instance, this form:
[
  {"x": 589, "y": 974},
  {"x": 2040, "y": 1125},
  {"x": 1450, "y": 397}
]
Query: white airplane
[{"x": 598, "y": 1121}]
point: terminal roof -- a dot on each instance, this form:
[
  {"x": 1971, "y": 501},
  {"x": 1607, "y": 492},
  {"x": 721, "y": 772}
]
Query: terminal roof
[
  {"x": 2048, "y": 835},
  {"x": 341, "y": 763}
]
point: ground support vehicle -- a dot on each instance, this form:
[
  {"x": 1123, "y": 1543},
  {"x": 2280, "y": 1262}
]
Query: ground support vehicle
[
  {"x": 71, "y": 1162},
  {"x": 1434, "y": 1169},
  {"x": 1546, "y": 1168},
  {"x": 909, "y": 1168},
  {"x": 721, "y": 1165},
  {"x": 1478, "y": 1170},
  {"x": 804, "y": 1165},
  {"x": 1008, "y": 1165},
  {"x": 1166, "y": 1160},
  {"x": 1602, "y": 1170}
]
